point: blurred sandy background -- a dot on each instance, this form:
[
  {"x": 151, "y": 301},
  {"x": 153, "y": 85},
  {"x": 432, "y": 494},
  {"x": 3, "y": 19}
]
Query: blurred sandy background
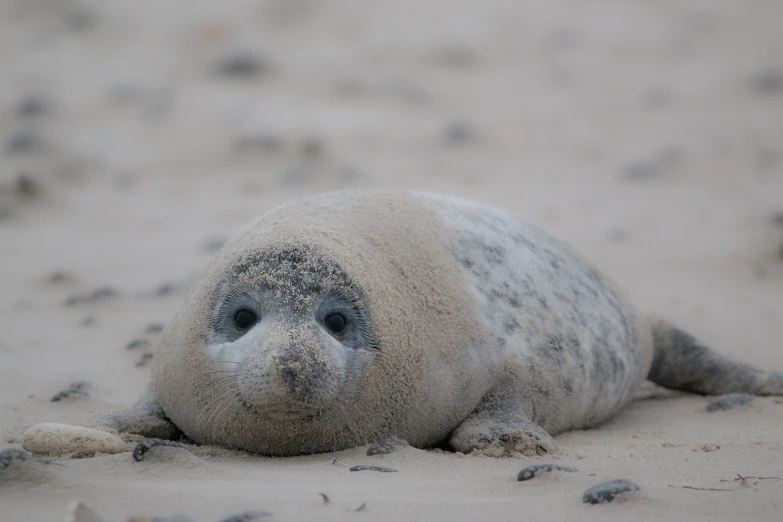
[{"x": 137, "y": 136}]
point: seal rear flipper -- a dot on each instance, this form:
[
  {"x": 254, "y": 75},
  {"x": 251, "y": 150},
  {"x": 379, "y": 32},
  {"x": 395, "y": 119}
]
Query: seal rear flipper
[
  {"x": 683, "y": 363},
  {"x": 499, "y": 428},
  {"x": 146, "y": 418}
]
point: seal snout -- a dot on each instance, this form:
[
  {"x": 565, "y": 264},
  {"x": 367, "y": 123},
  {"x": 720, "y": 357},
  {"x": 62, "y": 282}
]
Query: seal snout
[{"x": 293, "y": 377}]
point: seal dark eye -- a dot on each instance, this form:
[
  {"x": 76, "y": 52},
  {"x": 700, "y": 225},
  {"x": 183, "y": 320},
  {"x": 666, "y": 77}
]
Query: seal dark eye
[
  {"x": 336, "y": 323},
  {"x": 244, "y": 318}
]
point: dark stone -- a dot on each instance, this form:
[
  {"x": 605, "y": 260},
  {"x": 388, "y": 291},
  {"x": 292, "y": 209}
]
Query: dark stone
[
  {"x": 137, "y": 343},
  {"x": 247, "y": 516},
  {"x": 312, "y": 148},
  {"x": 95, "y": 295},
  {"x": 32, "y": 106},
  {"x": 165, "y": 289},
  {"x": 534, "y": 470},
  {"x": 241, "y": 65},
  {"x": 81, "y": 19},
  {"x": 726, "y": 402},
  {"x": 381, "y": 469},
  {"x": 75, "y": 388},
  {"x": 607, "y": 491},
  {"x": 145, "y": 359},
  {"x": 154, "y": 328},
  {"x": 665, "y": 160},
  {"x": 27, "y": 186},
  {"x": 23, "y": 142},
  {"x": 8, "y": 456},
  {"x": 147, "y": 444},
  {"x": 769, "y": 82},
  {"x": 459, "y": 133}
]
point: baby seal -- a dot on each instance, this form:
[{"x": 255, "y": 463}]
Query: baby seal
[{"x": 349, "y": 317}]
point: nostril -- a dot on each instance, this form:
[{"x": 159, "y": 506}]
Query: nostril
[{"x": 288, "y": 375}]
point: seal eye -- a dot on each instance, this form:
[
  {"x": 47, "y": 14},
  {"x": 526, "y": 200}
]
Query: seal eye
[
  {"x": 244, "y": 318},
  {"x": 336, "y": 323}
]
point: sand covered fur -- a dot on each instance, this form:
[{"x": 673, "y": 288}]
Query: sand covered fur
[
  {"x": 393, "y": 249},
  {"x": 459, "y": 324}
]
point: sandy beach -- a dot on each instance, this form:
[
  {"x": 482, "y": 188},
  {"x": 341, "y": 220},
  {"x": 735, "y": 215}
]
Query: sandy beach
[{"x": 138, "y": 136}]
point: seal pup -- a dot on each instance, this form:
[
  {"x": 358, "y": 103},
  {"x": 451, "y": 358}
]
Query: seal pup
[{"x": 349, "y": 317}]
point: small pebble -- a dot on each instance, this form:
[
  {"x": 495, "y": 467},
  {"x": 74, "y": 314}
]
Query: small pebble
[
  {"x": 312, "y": 148},
  {"x": 145, "y": 359},
  {"x": 27, "y": 186},
  {"x": 32, "y": 106},
  {"x": 247, "y": 516},
  {"x": 459, "y": 133},
  {"x": 81, "y": 18},
  {"x": 726, "y": 402},
  {"x": 665, "y": 160},
  {"x": 768, "y": 82},
  {"x": 532, "y": 471},
  {"x": 95, "y": 295},
  {"x": 88, "y": 321},
  {"x": 8, "y": 456},
  {"x": 387, "y": 446},
  {"x": 137, "y": 343},
  {"x": 241, "y": 65},
  {"x": 154, "y": 328},
  {"x": 147, "y": 444},
  {"x": 23, "y": 142},
  {"x": 75, "y": 388},
  {"x": 165, "y": 289},
  {"x": 59, "y": 277},
  {"x": 707, "y": 448},
  {"x": 607, "y": 491},
  {"x": 382, "y": 469}
]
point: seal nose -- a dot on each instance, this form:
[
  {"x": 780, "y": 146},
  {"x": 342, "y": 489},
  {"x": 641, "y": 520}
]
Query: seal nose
[
  {"x": 290, "y": 371},
  {"x": 298, "y": 371}
]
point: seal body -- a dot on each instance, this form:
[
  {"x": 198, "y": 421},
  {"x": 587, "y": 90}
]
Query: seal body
[{"x": 354, "y": 316}]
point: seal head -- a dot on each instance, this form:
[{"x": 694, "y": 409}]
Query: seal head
[
  {"x": 292, "y": 332},
  {"x": 326, "y": 324}
]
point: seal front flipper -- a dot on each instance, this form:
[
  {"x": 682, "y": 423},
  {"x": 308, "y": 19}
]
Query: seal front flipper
[
  {"x": 498, "y": 427},
  {"x": 683, "y": 363},
  {"x": 146, "y": 418}
]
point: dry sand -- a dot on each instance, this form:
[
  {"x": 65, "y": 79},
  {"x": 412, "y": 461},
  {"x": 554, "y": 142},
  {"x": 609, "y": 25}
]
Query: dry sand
[{"x": 137, "y": 135}]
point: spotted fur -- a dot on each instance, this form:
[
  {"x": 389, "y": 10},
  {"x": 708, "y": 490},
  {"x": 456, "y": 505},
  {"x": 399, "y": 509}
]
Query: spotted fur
[{"x": 475, "y": 329}]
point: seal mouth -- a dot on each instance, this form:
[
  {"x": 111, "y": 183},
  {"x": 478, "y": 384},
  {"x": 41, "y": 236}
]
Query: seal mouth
[{"x": 285, "y": 411}]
